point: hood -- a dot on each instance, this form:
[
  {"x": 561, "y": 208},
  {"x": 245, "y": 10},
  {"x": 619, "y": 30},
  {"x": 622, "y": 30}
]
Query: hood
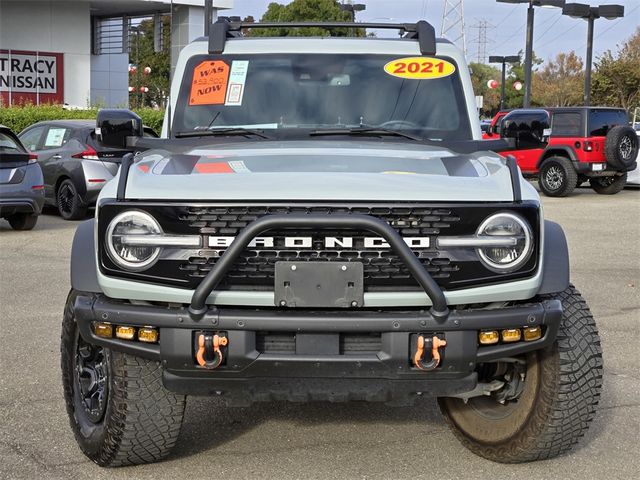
[{"x": 319, "y": 170}]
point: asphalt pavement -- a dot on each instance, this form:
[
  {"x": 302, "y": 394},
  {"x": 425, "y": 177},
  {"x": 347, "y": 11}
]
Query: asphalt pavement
[{"x": 318, "y": 440}]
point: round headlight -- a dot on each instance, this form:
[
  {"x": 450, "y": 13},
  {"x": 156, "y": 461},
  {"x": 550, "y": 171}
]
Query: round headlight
[
  {"x": 518, "y": 242},
  {"x": 128, "y": 255}
]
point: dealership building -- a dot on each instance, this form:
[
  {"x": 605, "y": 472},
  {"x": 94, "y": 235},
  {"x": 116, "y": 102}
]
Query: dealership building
[{"x": 76, "y": 52}]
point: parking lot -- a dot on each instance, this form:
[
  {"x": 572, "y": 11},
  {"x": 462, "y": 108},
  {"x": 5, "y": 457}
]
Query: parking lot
[{"x": 317, "y": 440}]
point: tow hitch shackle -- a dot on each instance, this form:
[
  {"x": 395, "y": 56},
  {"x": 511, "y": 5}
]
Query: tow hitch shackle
[
  {"x": 209, "y": 346},
  {"x": 428, "y": 344}
]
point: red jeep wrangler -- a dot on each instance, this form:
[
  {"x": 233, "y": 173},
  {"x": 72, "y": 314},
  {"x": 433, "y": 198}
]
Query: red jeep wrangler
[{"x": 564, "y": 147}]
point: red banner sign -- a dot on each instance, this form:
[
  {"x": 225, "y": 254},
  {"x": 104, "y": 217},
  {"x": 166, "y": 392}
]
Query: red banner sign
[{"x": 31, "y": 77}]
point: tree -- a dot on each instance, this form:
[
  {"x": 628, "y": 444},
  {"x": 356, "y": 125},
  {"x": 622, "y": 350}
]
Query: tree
[
  {"x": 307, "y": 11},
  {"x": 480, "y": 75},
  {"x": 616, "y": 81},
  {"x": 142, "y": 55},
  {"x": 560, "y": 83}
]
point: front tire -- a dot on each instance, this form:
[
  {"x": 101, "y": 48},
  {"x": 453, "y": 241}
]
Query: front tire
[
  {"x": 557, "y": 403},
  {"x": 119, "y": 411},
  {"x": 557, "y": 177},
  {"x": 608, "y": 185}
]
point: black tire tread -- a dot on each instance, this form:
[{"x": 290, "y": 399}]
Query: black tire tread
[
  {"x": 617, "y": 186},
  {"x": 568, "y": 399},
  {"x": 23, "y": 221},
  {"x": 612, "y": 142},
  {"x": 571, "y": 177},
  {"x": 143, "y": 419},
  {"x": 78, "y": 211}
]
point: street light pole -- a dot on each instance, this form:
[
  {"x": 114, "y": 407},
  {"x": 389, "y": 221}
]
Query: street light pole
[
  {"x": 590, "y": 14},
  {"x": 587, "y": 74},
  {"x": 503, "y": 61},
  {"x": 528, "y": 57}
]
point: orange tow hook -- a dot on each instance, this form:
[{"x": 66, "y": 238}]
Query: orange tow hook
[
  {"x": 433, "y": 343},
  {"x": 209, "y": 342}
]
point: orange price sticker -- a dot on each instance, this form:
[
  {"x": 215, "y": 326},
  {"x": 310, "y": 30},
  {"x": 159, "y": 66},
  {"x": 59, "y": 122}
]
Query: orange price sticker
[
  {"x": 420, "y": 68},
  {"x": 209, "y": 84}
]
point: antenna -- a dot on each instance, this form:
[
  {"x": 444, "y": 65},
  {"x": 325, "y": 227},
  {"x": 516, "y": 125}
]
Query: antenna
[
  {"x": 453, "y": 23},
  {"x": 483, "y": 26}
]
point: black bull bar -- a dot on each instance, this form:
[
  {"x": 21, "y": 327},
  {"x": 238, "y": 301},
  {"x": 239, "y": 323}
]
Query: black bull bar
[{"x": 198, "y": 307}]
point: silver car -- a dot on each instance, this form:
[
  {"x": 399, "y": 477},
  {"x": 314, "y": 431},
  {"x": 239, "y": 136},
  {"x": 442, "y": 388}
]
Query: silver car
[{"x": 21, "y": 185}]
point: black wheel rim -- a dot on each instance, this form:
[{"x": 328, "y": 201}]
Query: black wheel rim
[
  {"x": 91, "y": 378},
  {"x": 606, "y": 181},
  {"x": 66, "y": 196}
]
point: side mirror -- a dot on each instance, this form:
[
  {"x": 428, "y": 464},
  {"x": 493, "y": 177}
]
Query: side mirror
[{"x": 114, "y": 126}]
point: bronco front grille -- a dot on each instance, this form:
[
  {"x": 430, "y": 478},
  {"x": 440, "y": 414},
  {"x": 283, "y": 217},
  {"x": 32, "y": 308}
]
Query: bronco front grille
[
  {"x": 381, "y": 266},
  {"x": 254, "y": 270}
]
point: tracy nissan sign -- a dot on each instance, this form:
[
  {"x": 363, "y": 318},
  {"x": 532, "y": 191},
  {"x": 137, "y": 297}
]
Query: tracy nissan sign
[{"x": 35, "y": 77}]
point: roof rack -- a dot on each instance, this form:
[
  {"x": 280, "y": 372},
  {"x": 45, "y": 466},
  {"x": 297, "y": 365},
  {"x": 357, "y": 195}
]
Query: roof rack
[{"x": 422, "y": 31}]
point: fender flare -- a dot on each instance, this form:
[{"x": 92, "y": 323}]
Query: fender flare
[
  {"x": 555, "y": 263},
  {"x": 84, "y": 273},
  {"x": 562, "y": 149}
]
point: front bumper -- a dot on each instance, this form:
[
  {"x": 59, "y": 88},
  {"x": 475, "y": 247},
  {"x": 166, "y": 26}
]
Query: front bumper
[{"x": 386, "y": 375}]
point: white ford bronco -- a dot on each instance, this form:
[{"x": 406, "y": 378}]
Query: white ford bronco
[{"x": 321, "y": 221}]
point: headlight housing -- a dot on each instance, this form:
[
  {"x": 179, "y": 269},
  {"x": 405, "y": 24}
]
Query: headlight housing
[
  {"x": 130, "y": 256},
  {"x": 505, "y": 259}
]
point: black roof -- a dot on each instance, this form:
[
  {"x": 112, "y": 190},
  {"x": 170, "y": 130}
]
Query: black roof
[{"x": 70, "y": 123}]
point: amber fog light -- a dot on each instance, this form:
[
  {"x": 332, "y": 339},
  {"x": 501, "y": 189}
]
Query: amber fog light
[
  {"x": 148, "y": 335},
  {"x": 532, "y": 333},
  {"x": 104, "y": 330},
  {"x": 125, "y": 333},
  {"x": 488, "y": 338},
  {"x": 511, "y": 335}
]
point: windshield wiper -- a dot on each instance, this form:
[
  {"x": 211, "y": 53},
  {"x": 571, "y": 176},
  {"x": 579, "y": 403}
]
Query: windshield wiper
[
  {"x": 223, "y": 132},
  {"x": 365, "y": 131}
]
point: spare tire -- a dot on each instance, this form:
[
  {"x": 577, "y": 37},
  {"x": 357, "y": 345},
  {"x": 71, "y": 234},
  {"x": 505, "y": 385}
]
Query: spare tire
[{"x": 621, "y": 147}]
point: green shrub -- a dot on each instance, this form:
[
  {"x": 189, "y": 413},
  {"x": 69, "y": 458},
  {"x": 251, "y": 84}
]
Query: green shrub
[{"x": 19, "y": 118}]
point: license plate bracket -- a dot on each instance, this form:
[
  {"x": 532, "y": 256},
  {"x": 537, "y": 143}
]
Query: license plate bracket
[{"x": 319, "y": 284}]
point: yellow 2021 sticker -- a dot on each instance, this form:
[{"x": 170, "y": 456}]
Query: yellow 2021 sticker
[{"x": 420, "y": 68}]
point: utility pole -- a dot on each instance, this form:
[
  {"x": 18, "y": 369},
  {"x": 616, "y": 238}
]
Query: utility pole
[
  {"x": 483, "y": 27},
  {"x": 453, "y": 23}
]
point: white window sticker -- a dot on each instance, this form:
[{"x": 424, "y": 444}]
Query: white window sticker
[
  {"x": 237, "y": 80},
  {"x": 238, "y": 166},
  {"x": 55, "y": 137}
]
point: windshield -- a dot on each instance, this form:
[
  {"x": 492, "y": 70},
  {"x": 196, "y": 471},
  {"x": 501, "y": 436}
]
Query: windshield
[{"x": 291, "y": 94}]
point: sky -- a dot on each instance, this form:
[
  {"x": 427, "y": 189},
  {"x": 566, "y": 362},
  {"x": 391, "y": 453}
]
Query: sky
[{"x": 553, "y": 32}]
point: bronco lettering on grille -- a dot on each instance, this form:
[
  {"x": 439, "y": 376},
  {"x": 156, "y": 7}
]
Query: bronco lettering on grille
[{"x": 329, "y": 242}]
